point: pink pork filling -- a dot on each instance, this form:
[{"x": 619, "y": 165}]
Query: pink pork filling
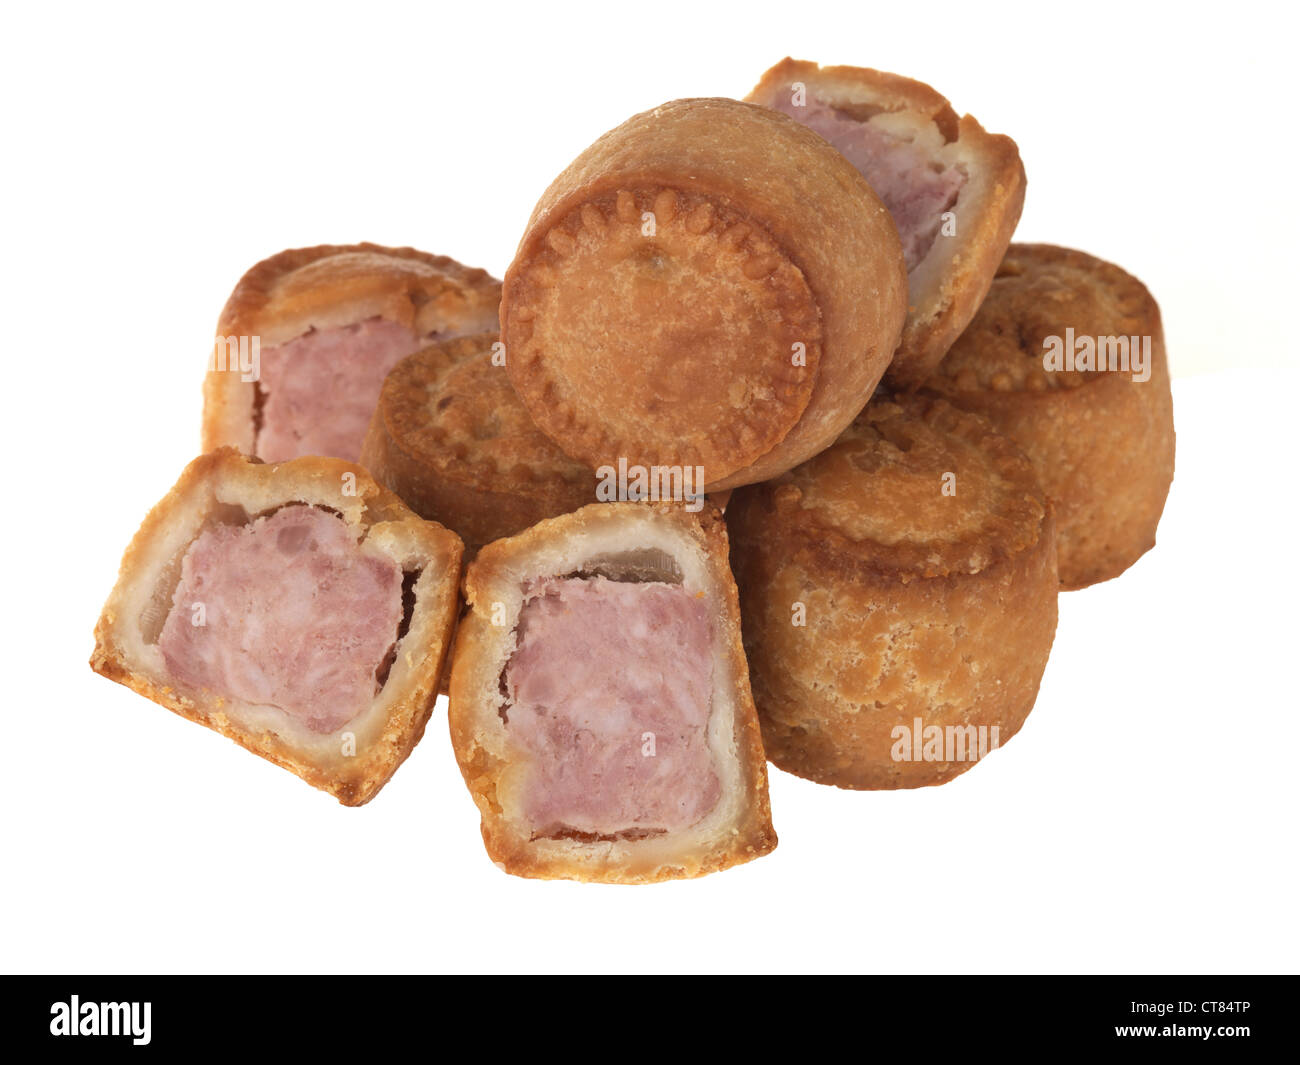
[
  {"x": 609, "y": 691},
  {"x": 321, "y": 388},
  {"x": 901, "y": 174},
  {"x": 294, "y": 616}
]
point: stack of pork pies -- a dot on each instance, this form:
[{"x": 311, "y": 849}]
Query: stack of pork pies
[{"x": 804, "y": 309}]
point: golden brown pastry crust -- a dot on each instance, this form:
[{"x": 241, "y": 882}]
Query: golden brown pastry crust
[
  {"x": 607, "y": 536},
  {"x": 210, "y": 489},
  {"x": 450, "y": 437},
  {"x": 913, "y": 604},
  {"x": 335, "y": 285},
  {"x": 1101, "y": 443},
  {"x": 743, "y": 334},
  {"x": 948, "y": 285}
]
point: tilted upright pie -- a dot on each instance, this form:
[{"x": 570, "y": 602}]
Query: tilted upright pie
[
  {"x": 708, "y": 285},
  {"x": 954, "y": 190},
  {"x": 1067, "y": 357},
  {"x": 899, "y": 598},
  {"x": 298, "y": 608},
  {"x": 600, "y": 705},
  {"x": 451, "y": 438},
  {"x": 307, "y": 336}
]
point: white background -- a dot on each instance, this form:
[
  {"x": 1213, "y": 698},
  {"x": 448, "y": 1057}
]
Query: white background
[{"x": 1144, "y": 819}]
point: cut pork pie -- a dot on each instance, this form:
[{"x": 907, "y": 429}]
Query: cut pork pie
[
  {"x": 600, "y": 704},
  {"x": 307, "y": 336},
  {"x": 955, "y": 192},
  {"x": 298, "y": 608}
]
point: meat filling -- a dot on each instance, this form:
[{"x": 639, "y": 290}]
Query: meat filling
[
  {"x": 609, "y": 691},
  {"x": 915, "y": 187},
  {"x": 321, "y": 388},
  {"x": 287, "y": 611}
]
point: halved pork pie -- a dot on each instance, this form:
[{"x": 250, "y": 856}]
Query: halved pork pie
[
  {"x": 600, "y": 704},
  {"x": 451, "y": 438},
  {"x": 954, "y": 191},
  {"x": 298, "y": 608},
  {"x": 307, "y": 336},
  {"x": 709, "y": 287}
]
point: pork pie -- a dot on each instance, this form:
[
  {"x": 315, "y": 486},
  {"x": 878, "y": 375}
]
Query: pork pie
[
  {"x": 899, "y": 598},
  {"x": 710, "y": 285},
  {"x": 307, "y": 336},
  {"x": 1067, "y": 357},
  {"x": 600, "y": 706},
  {"x": 954, "y": 191},
  {"x": 450, "y": 437},
  {"x": 298, "y": 608}
]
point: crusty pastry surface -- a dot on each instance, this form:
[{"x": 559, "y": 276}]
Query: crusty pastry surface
[
  {"x": 226, "y": 487},
  {"x": 947, "y": 286},
  {"x": 708, "y": 285},
  {"x": 628, "y": 541},
  {"x": 331, "y": 285},
  {"x": 871, "y": 598},
  {"x": 452, "y": 440},
  {"x": 1102, "y": 443}
]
